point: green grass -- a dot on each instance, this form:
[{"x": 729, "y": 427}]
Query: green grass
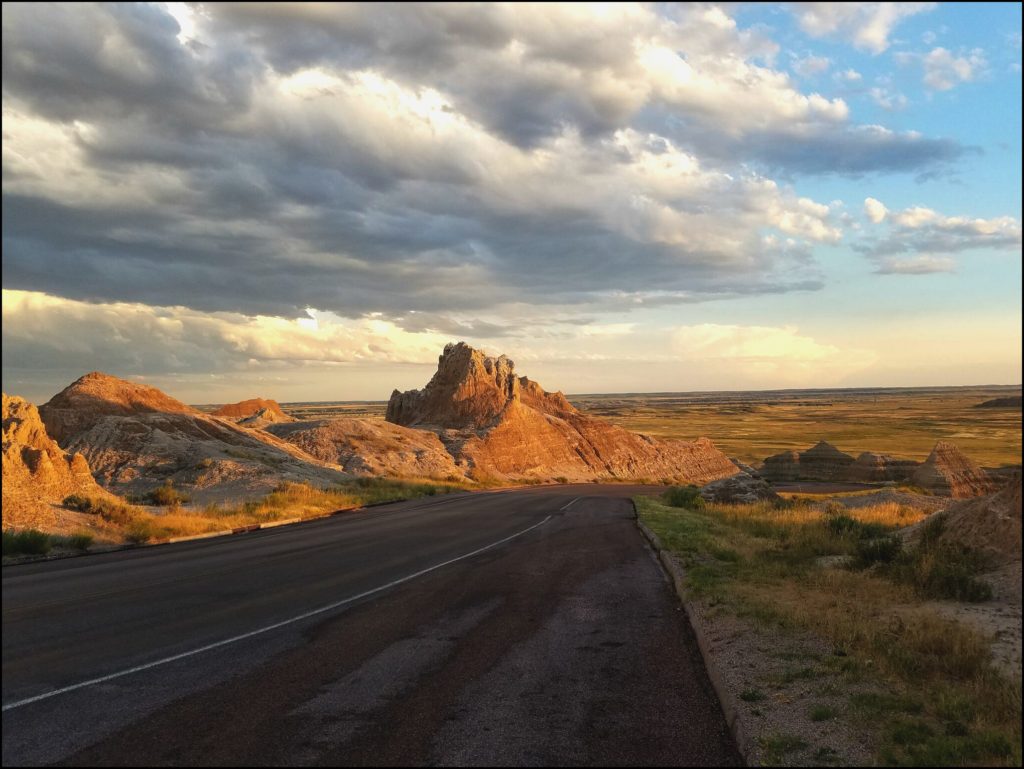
[
  {"x": 777, "y": 746},
  {"x": 823, "y": 713},
  {"x": 761, "y": 561},
  {"x": 26, "y": 542}
]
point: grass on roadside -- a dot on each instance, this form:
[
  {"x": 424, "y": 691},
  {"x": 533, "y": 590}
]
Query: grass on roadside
[
  {"x": 836, "y": 572},
  {"x": 289, "y": 500}
]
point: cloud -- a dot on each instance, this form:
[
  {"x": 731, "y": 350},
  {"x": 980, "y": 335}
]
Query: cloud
[
  {"x": 875, "y": 210},
  {"x": 943, "y": 70},
  {"x": 810, "y": 65},
  {"x": 849, "y": 75},
  {"x": 923, "y": 264},
  {"x": 49, "y": 341},
  {"x": 441, "y": 171},
  {"x": 866, "y": 25},
  {"x": 918, "y": 239},
  {"x": 888, "y": 100}
]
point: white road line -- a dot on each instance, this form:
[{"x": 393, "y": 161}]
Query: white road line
[
  {"x": 566, "y": 505},
  {"x": 267, "y": 629}
]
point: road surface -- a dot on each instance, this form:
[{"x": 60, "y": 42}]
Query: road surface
[{"x": 526, "y": 627}]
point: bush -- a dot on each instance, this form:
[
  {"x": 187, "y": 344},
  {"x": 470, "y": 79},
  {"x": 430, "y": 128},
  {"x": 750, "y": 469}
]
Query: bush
[
  {"x": 140, "y": 531},
  {"x": 871, "y": 551},
  {"x": 26, "y": 542},
  {"x": 684, "y": 496},
  {"x": 80, "y": 540},
  {"x": 79, "y": 503},
  {"x": 166, "y": 495}
]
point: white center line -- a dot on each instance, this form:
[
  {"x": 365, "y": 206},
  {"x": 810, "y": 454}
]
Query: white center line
[
  {"x": 267, "y": 629},
  {"x": 566, "y": 505}
]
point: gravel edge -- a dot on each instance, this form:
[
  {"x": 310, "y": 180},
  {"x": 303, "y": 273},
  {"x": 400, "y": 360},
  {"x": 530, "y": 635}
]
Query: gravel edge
[{"x": 731, "y": 707}]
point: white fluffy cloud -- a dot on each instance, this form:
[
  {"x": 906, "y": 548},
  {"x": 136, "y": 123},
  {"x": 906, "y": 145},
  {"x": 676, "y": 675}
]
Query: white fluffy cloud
[
  {"x": 875, "y": 210},
  {"x": 866, "y": 25},
  {"x": 919, "y": 240},
  {"x": 943, "y": 70}
]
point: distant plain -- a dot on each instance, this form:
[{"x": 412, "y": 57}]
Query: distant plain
[{"x": 750, "y": 426}]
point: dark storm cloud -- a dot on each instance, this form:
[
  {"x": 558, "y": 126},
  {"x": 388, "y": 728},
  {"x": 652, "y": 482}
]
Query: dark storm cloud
[{"x": 185, "y": 173}]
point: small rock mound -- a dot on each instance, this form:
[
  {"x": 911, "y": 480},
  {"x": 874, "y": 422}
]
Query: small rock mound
[
  {"x": 1010, "y": 402},
  {"x": 88, "y": 399},
  {"x": 249, "y": 408},
  {"x": 136, "y": 438},
  {"x": 37, "y": 473},
  {"x": 263, "y": 418},
  {"x": 739, "y": 489},
  {"x": 950, "y": 472},
  {"x": 365, "y": 447},
  {"x": 821, "y": 462},
  {"x": 872, "y": 467},
  {"x": 991, "y": 523}
]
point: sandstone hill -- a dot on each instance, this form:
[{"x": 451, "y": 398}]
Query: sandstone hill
[
  {"x": 271, "y": 409},
  {"x": 950, "y": 472},
  {"x": 496, "y": 424},
  {"x": 37, "y": 473},
  {"x": 821, "y": 462},
  {"x": 371, "y": 447},
  {"x": 991, "y": 523},
  {"x": 263, "y": 418},
  {"x": 871, "y": 467},
  {"x": 135, "y": 438}
]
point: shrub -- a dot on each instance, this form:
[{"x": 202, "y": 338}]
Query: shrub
[
  {"x": 26, "y": 542},
  {"x": 79, "y": 503},
  {"x": 684, "y": 496},
  {"x": 872, "y": 551},
  {"x": 139, "y": 531},
  {"x": 80, "y": 540},
  {"x": 166, "y": 495}
]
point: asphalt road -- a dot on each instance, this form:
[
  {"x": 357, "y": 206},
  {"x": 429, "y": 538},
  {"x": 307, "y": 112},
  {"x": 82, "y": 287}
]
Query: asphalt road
[{"x": 530, "y": 627}]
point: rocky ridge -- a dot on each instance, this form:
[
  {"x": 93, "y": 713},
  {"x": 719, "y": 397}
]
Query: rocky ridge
[
  {"x": 37, "y": 473},
  {"x": 136, "y": 438},
  {"x": 497, "y": 424}
]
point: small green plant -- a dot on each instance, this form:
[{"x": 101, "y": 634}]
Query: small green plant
[
  {"x": 823, "y": 713},
  {"x": 684, "y": 496},
  {"x": 871, "y": 551},
  {"x": 751, "y": 695},
  {"x": 26, "y": 542},
  {"x": 776, "y": 746}
]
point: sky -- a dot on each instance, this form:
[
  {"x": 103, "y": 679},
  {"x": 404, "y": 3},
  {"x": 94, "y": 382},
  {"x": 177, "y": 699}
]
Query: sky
[{"x": 307, "y": 202}]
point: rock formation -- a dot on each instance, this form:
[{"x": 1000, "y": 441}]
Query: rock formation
[
  {"x": 741, "y": 488},
  {"x": 871, "y": 467},
  {"x": 991, "y": 524},
  {"x": 950, "y": 472},
  {"x": 496, "y": 424},
  {"x": 37, "y": 473},
  {"x": 821, "y": 462},
  {"x": 371, "y": 447},
  {"x": 271, "y": 409},
  {"x": 263, "y": 418},
  {"x": 135, "y": 438},
  {"x": 1010, "y": 402}
]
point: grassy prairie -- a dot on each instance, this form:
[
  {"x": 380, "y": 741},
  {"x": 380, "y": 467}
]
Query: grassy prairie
[
  {"x": 751, "y": 426},
  {"x": 803, "y": 568}
]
